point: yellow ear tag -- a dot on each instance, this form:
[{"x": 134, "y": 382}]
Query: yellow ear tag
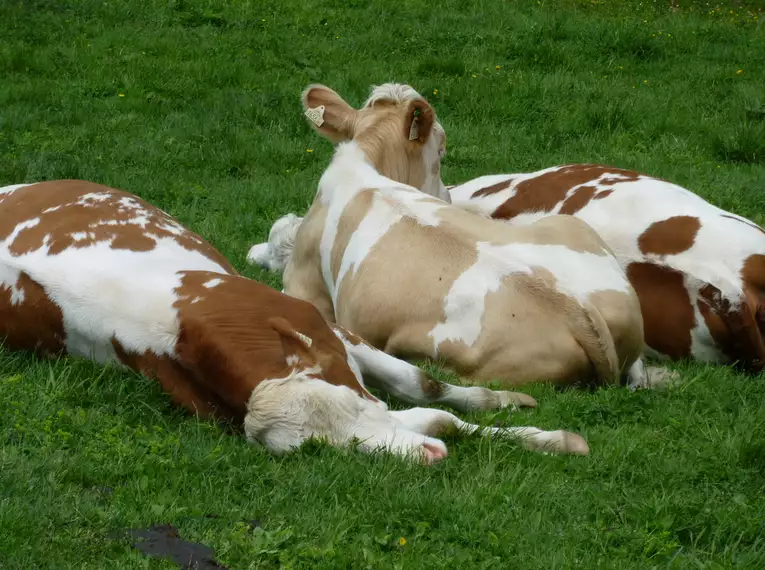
[
  {"x": 316, "y": 115},
  {"x": 414, "y": 131},
  {"x": 306, "y": 339}
]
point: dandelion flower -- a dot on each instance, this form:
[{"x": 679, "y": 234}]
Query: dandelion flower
[
  {"x": 435, "y": 91},
  {"x": 309, "y": 150},
  {"x": 402, "y": 541}
]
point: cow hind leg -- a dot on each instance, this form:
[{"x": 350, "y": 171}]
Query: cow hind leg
[
  {"x": 413, "y": 385},
  {"x": 434, "y": 423}
]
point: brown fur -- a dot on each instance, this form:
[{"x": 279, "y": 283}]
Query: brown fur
[
  {"x": 671, "y": 236},
  {"x": 543, "y": 193},
  {"x": 34, "y": 323},
  {"x": 668, "y": 315},
  {"x": 56, "y": 205}
]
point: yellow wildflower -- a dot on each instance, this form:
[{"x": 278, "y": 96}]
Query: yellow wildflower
[
  {"x": 309, "y": 150},
  {"x": 402, "y": 541},
  {"x": 435, "y": 91}
]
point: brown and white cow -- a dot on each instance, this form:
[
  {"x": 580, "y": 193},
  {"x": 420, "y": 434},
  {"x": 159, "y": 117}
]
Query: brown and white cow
[
  {"x": 99, "y": 273},
  {"x": 699, "y": 271},
  {"x": 418, "y": 277}
]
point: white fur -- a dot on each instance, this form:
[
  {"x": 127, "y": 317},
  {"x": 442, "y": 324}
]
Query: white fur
[{"x": 275, "y": 253}]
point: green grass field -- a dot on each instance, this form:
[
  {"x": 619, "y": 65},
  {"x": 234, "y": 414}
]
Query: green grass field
[{"x": 194, "y": 105}]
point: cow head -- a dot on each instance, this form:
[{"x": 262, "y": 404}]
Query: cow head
[
  {"x": 397, "y": 129},
  {"x": 320, "y": 397}
]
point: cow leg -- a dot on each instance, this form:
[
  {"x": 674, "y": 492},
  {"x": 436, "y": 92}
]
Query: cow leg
[
  {"x": 413, "y": 385},
  {"x": 434, "y": 423},
  {"x": 649, "y": 377}
]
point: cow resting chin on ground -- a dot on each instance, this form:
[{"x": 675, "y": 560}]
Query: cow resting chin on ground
[
  {"x": 99, "y": 273},
  {"x": 381, "y": 255},
  {"x": 699, "y": 271}
]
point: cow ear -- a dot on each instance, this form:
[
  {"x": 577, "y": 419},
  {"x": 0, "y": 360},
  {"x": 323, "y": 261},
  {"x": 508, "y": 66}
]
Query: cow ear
[
  {"x": 297, "y": 347},
  {"x": 419, "y": 121},
  {"x": 328, "y": 113}
]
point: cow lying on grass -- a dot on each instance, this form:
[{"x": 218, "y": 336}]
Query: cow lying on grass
[
  {"x": 416, "y": 276},
  {"x": 99, "y": 273},
  {"x": 699, "y": 271}
]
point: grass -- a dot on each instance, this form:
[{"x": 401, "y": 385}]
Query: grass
[{"x": 193, "y": 105}]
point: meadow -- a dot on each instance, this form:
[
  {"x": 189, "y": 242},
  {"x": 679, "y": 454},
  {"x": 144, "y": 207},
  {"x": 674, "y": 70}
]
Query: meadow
[{"x": 194, "y": 106}]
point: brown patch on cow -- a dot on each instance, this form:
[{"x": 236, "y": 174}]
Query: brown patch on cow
[
  {"x": 34, "y": 322},
  {"x": 603, "y": 194},
  {"x": 432, "y": 388},
  {"x": 578, "y": 200},
  {"x": 226, "y": 339},
  {"x": 544, "y": 192},
  {"x": 493, "y": 189},
  {"x": 353, "y": 214},
  {"x": 77, "y": 213},
  {"x": 733, "y": 327},
  {"x": 671, "y": 236},
  {"x": 668, "y": 315}
]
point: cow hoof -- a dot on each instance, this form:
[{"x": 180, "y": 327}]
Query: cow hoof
[
  {"x": 574, "y": 444},
  {"x": 659, "y": 377},
  {"x": 433, "y": 453},
  {"x": 517, "y": 400}
]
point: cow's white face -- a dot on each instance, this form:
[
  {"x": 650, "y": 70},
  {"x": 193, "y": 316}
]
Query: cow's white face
[{"x": 284, "y": 413}]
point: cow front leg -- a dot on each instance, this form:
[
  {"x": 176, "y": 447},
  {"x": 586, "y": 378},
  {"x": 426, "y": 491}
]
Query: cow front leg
[
  {"x": 434, "y": 423},
  {"x": 413, "y": 385}
]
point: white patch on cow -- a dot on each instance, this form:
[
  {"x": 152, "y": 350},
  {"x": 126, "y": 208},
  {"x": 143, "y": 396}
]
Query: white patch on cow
[
  {"x": 94, "y": 197},
  {"x": 275, "y": 254},
  {"x": 12, "y": 188},
  {"x": 578, "y": 274},
  {"x": 77, "y": 236},
  {"x": 379, "y": 219},
  {"x": 9, "y": 277},
  {"x": 26, "y": 224},
  {"x": 464, "y": 305},
  {"x": 292, "y": 359},
  {"x": 213, "y": 283}
]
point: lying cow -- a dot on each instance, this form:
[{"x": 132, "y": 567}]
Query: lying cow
[
  {"x": 417, "y": 277},
  {"x": 699, "y": 271},
  {"x": 99, "y": 273}
]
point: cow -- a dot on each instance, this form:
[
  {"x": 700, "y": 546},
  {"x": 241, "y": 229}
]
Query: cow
[
  {"x": 96, "y": 272},
  {"x": 698, "y": 270},
  {"x": 380, "y": 253}
]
